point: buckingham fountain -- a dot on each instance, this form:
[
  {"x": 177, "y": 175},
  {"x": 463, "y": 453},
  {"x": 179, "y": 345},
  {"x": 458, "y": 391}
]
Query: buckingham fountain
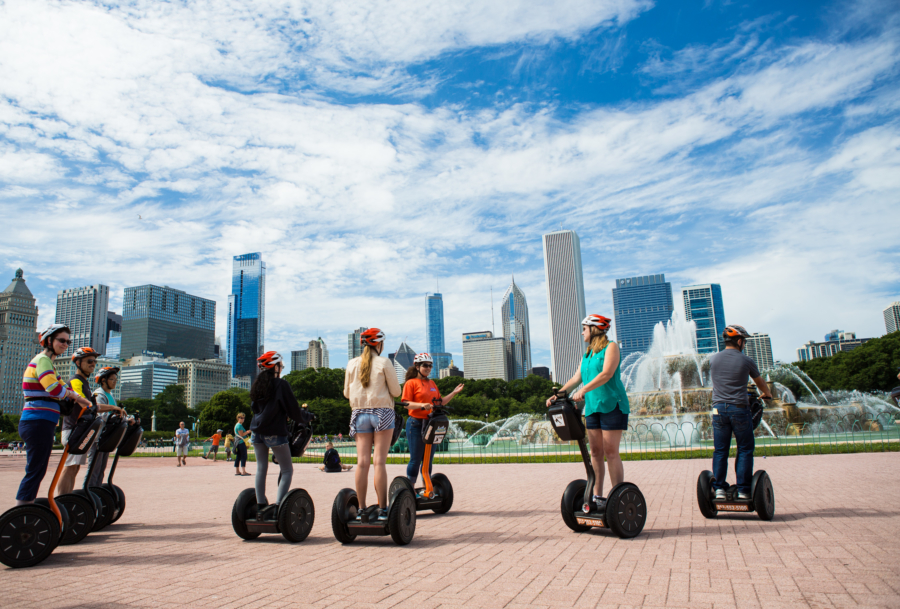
[{"x": 670, "y": 396}]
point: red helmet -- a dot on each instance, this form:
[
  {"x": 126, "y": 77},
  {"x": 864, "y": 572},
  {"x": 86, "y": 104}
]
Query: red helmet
[
  {"x": 83, "y": 352},
  {"x": 597, "y": 321},
  {"x": 105, "y": 372},
  {"x": 268, "y": 360},
  {"x": 735, "y": 331},
  {"x": 371, "y": 337}
]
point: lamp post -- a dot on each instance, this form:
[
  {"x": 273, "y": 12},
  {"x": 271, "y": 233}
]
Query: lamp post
[{"x": 193, "y": 419}]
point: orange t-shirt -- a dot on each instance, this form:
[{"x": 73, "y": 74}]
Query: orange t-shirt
[
  {"x": 215, "y": 439},
  {"x": 417, "y": 390}
]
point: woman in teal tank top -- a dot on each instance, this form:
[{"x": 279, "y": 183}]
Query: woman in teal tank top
[{"x": 606, "y": 403}]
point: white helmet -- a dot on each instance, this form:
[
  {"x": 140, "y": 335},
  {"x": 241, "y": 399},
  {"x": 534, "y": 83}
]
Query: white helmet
[
  {"x": 421, "y": 358},
  {"x": 53, "y": 329}
]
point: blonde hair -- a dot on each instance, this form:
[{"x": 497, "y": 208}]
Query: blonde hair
[
  {"x": 365, "y": 366},
  {"x": 598, "y": 340},
  {"x": 240, "y": 415}
]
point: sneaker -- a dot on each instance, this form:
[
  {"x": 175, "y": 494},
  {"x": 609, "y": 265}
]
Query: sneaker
[
  {"x": 743, "y": 497},
  {"x": 382, "y": 514},
  {"x": 600, "y": 502},
  {"x": 720, "y": 494}
]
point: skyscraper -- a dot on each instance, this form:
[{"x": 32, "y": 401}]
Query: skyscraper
[
  {"x": 18, "y": 341},
  {"x": 703, "y": 306},
  {"x": 515, "y": 329},
  {"x": 402, "y": 359},
  {"x": 316, "y": 354},
  {"x": 246, "y": 314},
  {"x": 354, "y": 348},
  {"x": 434, "y": 334},
  {"x": 84, "y": 311},
  {"x": 298, "y": 360},
  {"x": 639, "y": 303},
  {"x": 759, "y": 349},
  {"x": 565, "y": 302},
  {"x": 486, "y": 356},
  {"x": 168, "y": 321},
  {"x": 892, "y": 317}
]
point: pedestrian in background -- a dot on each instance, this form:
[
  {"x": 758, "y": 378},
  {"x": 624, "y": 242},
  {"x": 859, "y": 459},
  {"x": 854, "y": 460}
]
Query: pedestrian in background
[
  {"x": 182, "y": 444},
  {"x": 240, "y": 447},
  {"x": 214, "y": 447},
  {"x": 228, "y": 440}
]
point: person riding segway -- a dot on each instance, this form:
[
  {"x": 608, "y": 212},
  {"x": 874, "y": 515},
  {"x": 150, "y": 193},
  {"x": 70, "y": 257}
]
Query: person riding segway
[
  {"x": 273, "y": 403},
  {"x": 371, "y": 386},
  {"x": 736, "y": 411}
]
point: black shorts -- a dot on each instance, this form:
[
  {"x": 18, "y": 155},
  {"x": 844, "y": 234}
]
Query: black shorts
[{"x": 614, "y": 420}]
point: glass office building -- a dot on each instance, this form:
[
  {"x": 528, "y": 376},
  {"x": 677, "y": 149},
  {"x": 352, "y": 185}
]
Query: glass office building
[
  {"x": 516, "y": 331},
  {"x": 703, "y": 306},
  {"x": 434, "y": 334},
  {"x": 168, "y": 321},
  {"x": 639, "y": 303},
  {"x": 246, "y": 314}
]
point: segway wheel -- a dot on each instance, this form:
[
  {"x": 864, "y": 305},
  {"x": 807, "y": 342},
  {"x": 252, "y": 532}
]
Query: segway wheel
[
  {"x": 626, "y": 510},
  {"x": 243, "y": 510},
  {"x": 120, "y": 500},
  {"x": 398, "y": 483},
  {"x": 573, "y": 501},
  {"x": 704, "y": 495},
  {"x": 402, "y": 517},
  {"x": 343, "y": 510},
  {"x": 28, "y": 535},
  {"x": 107, "y": 508},
  {"x": 445, "y": 490},
  {"x": 764, "y": 496},
  {"x": 296, "y": 515},
  {"x": 64, "y": 514},
  {"x": 81, "y": 517}
]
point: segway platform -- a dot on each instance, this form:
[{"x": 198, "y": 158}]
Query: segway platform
[
  {"x": 348, "y": 521},
  {"x": 762, "y": 497}
]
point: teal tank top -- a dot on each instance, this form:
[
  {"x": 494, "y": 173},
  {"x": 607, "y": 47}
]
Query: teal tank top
[{"x": 605, "y": 397}]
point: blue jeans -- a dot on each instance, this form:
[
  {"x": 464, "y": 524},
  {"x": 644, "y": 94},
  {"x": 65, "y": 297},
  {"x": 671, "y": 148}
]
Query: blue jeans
[
  {"x": 38, "y": 435},
  {"x": 735, "y": 420},
  {"x": 416, "y": 448}
]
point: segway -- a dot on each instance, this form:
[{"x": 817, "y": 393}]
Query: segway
[
  {"x": 109, "y": 439},
  {"x": 762, "y": 495},
  {"x": 348, "y": 521},
  {"x": 132, "y": 437},
  {"x": 30, "y": 533},
  {"x": 294, "y": 516},
  {"x": 626, "y": 510},
  {"x": 437, "y": 495}
]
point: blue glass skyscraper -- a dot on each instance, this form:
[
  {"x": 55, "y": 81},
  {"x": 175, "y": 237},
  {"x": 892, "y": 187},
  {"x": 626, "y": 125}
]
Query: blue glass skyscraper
[
  {"x": 246, "y": 314},
  {"x": 516, "y": 331},
  {"x": 703, "y": 306},
  {"x": 639, "y": 303},
  {"x": 434, "y": 333}
]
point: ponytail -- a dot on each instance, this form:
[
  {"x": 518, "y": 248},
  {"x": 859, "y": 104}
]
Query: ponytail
[{"x": 365, "y": 367}]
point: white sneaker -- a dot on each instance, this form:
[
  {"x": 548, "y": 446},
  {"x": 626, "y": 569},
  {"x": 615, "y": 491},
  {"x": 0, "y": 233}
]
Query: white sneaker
[
  {"x": 743, "y": 497},
  {"x": 720, "y": 494}
]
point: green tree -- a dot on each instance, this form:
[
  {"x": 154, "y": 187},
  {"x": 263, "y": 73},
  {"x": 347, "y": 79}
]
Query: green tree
[
  {"x": 317, "y": 383},
  {"x": 870, "y": 367},
  {"x": 332, "y": 416},
  {"x": 220, "y": 413}
]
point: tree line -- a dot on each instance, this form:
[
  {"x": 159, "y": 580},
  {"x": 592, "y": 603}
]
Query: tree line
[{"x": 870, "y": 367}]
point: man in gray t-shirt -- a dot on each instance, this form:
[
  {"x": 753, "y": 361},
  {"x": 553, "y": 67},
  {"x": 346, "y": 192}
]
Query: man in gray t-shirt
[{"x": 730, "y": 371}]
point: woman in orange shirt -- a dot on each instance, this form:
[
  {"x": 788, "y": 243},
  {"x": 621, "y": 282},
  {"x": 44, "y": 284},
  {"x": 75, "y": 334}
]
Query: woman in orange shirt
[{"x": 418, "y": 393}]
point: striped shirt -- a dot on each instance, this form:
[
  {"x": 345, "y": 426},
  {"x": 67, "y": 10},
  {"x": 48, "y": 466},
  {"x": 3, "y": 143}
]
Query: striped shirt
[{"x": 41, "y": 384}]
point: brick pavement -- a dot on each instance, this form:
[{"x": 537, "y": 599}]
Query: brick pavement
[{"x": 503, "y": 544}]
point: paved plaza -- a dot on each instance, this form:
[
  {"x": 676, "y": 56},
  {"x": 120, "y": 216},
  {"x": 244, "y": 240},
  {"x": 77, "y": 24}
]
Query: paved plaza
[{"x": 835, "y": 542}]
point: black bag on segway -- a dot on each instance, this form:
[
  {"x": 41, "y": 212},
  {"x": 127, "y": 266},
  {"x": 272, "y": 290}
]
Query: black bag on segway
[
  {"x": 132, "y": 438},
  {"x": 566, "y": 418},
  {"x": 756, "y": 407},
  {"x": 85, "y": 432},
  {"x": 112, "y": 433},
  {"x": 300, "y": 433}
]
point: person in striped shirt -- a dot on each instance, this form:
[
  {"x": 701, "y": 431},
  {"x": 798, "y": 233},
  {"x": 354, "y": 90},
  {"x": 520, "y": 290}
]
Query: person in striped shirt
[{"x": 43, "y": 391}]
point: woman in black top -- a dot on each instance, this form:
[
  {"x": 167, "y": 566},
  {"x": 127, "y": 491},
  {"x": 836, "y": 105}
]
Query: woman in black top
[{"x": 273, "y": 403}]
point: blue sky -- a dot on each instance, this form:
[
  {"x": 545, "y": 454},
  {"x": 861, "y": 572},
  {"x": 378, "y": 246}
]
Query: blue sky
[{"x": 370, "y": 150}]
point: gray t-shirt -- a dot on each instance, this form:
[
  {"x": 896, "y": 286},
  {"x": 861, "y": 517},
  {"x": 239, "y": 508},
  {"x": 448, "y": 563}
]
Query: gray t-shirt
[
  {"x": 182, "y": 437},
  {"x": 730, "y": 371}
]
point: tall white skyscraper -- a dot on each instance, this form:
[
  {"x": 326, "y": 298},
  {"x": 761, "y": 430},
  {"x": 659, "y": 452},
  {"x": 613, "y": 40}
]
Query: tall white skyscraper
[
  {"x": 516, "y": 331},
  {"x": 565, "y": 302},
  {"x": 84, "y": 311},
  {"x": 892, "y": 317},
  {"x": 759, "y": 349}
]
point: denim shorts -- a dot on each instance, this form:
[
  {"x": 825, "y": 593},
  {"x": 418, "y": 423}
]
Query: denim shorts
[
  {"x": 614, "y": 420},
  {"x": 370, "y": 420},
  {"x": 270, "y": 441}
]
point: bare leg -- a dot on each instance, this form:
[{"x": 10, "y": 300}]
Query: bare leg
[
  {"x": 382, "y": 445},
  {"x": 595, "y": 437},
  {"x": 363, "y": 459},
  {"x": 611, "y": 440},
  {"x": 67, "y": 480}
]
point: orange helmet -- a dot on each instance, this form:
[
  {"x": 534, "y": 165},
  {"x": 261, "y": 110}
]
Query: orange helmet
[
  {"x": 268, "y": 360},
  {"x": 105, "y": 372},
  {"x": 83, "y": 352},
  {"x": 735, "y": 331},
  {"x": 597, "y": 321},
  {"x": 371, "y": 337}
]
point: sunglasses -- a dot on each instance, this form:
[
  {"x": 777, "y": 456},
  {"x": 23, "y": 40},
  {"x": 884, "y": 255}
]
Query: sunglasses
[
  {"x": 64, "y": 341},
  {"x": 90, "y": 362},
  {"x": 425, "y": 366}
]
